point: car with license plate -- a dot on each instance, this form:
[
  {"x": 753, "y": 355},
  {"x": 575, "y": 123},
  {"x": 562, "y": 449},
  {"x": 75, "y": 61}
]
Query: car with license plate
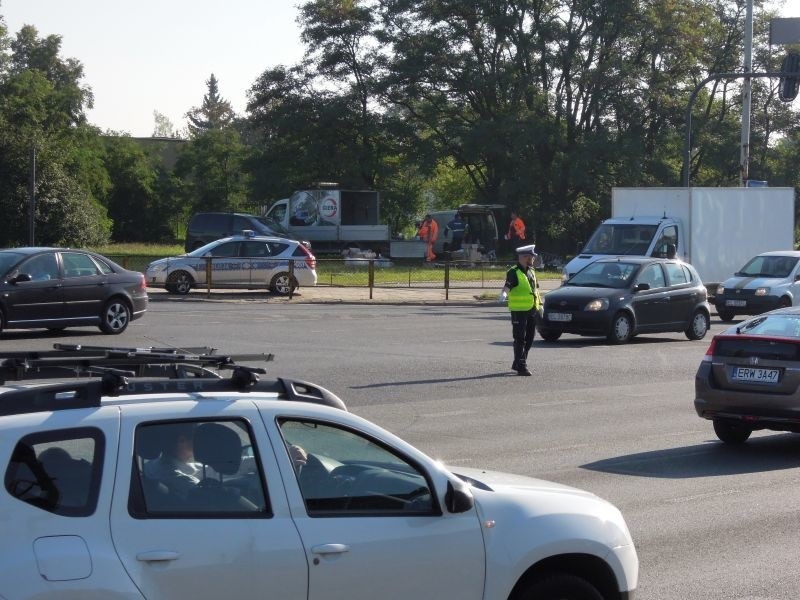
[
  {"x": 749, "y": 378},
  {"x": 129, "y": 486},
  {"x": 55, "y": 288},
  {"x": 622, "y": 297},
  {"x": 768, "y": 281},
  {"x": 244, "y": 261}
]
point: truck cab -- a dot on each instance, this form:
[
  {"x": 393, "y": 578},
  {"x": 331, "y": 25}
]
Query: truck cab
[{"x": 633, "y": 236}]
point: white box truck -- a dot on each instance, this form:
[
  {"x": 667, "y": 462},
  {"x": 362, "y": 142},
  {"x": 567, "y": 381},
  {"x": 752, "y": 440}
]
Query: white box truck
[
  {"x": 333, "y": 219},
  {"x": 715, "y": 229}
]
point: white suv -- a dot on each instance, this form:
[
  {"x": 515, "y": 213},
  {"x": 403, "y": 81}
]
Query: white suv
[{"x": 209, "y": 488}]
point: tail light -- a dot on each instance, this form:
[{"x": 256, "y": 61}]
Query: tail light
[
  {"x": 710, "y": 351},
  {"x": 143, "y": 284},
  {"x": 311, "y": 261}
]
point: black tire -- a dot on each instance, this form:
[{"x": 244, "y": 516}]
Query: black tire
[
  {"x": 732, "y": 432},
  {"x": 549, "y": 335},
  {"x": 179, "y": 282},
  {"x": 784, "y": 302},
  {"x": 115, "y": 317},
  {"x": 283, "y": 283},
  {"x": 698, "y": 326},
  {"x": 725, "y": 314},
  {"x": 621, "y": 330},
  {"x": 560, "y": 586}
]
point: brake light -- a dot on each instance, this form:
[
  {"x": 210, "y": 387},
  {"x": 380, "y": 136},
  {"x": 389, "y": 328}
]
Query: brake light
[
  {"x": 311, "y": 261},
  {"x": 711, "y": 348},
  {"x": 143, "y": 284}
]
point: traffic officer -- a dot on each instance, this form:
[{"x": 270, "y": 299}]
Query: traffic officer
[{"x": 522, "y": 292}]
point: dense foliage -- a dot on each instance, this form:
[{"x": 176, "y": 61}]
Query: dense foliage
[{"x": 539, "y": 105}]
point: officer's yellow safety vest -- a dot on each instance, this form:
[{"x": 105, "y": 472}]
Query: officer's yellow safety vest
[{"x": 522, "y": 296}]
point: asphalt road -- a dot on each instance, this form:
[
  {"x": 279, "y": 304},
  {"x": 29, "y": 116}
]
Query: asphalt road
[{"x": 710, "y": 522}]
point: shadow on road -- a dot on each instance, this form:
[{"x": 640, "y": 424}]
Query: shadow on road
[{"x": 763, "y": 453}]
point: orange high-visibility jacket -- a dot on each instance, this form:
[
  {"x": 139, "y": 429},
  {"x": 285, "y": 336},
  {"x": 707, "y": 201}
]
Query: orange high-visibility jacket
[
  {"x": 428, "y": 231},
  {"x": 516, "y": 229}
]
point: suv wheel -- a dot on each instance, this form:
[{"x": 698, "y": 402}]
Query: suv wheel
[
  {"x": 179, "y": 282},
  {"x": 115, "y": 316},
  {"x": 283, "y": 283},
  {"x": 698, "y": 326},
  {"x": 731, "y": 432},
  {"x": 560, "y": 586}
]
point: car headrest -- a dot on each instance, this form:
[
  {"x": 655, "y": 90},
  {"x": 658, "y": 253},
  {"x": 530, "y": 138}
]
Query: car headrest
[{"x": 218, "y": 447}]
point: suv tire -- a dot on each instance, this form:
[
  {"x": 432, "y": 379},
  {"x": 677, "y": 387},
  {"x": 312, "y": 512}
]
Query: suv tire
[{"x": 560, "y": 586}]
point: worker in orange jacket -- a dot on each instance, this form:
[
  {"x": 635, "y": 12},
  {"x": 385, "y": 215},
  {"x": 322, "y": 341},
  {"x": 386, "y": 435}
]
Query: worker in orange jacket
[
  {"x": 428, "y": 232},
  {"x": 516, "y": 230}
]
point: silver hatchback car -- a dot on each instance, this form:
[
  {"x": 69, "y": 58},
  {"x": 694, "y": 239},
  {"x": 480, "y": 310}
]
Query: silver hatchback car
[{"x": 241, "y": 261}]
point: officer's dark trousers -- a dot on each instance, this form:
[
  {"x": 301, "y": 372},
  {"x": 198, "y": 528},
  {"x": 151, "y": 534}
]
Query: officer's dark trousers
[{"x": 523, "y": 326}]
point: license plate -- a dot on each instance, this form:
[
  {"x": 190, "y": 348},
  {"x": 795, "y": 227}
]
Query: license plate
[
  {"x": 553, "y": 316},
  {"x": 735, "y": 303},
  {"x": 756, "y": 374}
]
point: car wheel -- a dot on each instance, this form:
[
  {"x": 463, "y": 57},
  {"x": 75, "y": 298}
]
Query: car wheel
[
  {"x": 784, "y": 302},
  {"x": 621, "y": 328},
  {"x": 179, "y": 282},
  {"x": 698, "y": 326},
  {"x": 549, "y": 335},
  {"x": 115, "y": 316},
  {"x": 560, "y": 586},
  {"x": 725, "y": 314},
  {"x": 731, "y": 432},
  {"x": 282, "y": 283}
]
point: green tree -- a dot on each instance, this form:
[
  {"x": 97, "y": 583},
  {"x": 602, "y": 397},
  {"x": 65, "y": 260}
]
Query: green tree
[{"x": 214, "y": 113}]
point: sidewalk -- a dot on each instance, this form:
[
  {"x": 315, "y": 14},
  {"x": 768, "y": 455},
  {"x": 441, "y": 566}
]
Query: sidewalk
[{"x": 324, "y": 294}]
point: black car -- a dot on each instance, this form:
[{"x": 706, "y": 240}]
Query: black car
[
  {"x": 210, "y": 226},
  {"x": 624, "y": 296},
  {"x": 56, "y": 288},
  {"x": 749, "y": 378}
]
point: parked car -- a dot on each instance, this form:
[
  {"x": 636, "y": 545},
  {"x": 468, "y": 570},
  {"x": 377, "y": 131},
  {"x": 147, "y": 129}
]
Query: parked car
[
  {"x": 240, "y": 261},
  {"x": 624, "y": 296},
  {"x": 214, "y": 488},
  {"x": 750, "y": 375},
  {"x": 770, "y": 280},
  {"x": 207, "y": 227},
  {"x": 55, "y": 288}
]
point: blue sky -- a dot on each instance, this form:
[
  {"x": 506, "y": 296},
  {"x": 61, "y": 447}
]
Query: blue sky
[
  {"x": 150, "y": 55},
  {"x": 157, "y": 54}
]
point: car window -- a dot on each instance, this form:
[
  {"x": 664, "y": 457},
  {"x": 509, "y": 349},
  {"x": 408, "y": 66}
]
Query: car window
[
  {"x": 226, "y": 249},
  {"x": 241, "y": 223},
  {"x": 41, "y": 267},
  {"x": 688, "y": 273},
  {"x": 677, "y": 274},
  {"x": 194, "y": 469},
  {"x": 604, "y": 274},
  {"x": 8, "y": 259},
  {"x": 652, "y": 275},
  {"x": 102, "y": 265},
  {"x": 78, "y": 265},
  {"x": 277, "y": 248},
  {"x": 254, "y": 249},
  {"x": 58, "y": 471},
  {"x": 343, "y": 472},
  {"x": 209, "y": 223}
]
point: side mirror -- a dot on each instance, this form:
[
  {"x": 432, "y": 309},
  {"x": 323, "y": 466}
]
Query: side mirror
[
  {"x": 458, "y": 499},
  {"x": 20, "y": 278},
  {"x": 640, "y": 287}
]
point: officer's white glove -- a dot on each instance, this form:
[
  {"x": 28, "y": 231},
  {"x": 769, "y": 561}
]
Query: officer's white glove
[{"x": 503, "y": 297}]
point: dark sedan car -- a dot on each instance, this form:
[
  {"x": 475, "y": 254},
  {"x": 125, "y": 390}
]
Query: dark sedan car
[
  {"x": 750, "y": 377},
  {"x": 56, "y": 288},
  {"x": 625, "y": 296}
]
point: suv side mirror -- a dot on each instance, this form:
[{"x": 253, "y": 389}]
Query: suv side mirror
[
  {"x": 640, "y": 287},
  {"x": 457, "y": 499}
]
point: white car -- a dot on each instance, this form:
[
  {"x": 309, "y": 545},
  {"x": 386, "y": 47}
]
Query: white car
[
  {"x": 768, "y": 281},
  {"x": 240, "y": 261},
  {"x": 209, "y": 488}
]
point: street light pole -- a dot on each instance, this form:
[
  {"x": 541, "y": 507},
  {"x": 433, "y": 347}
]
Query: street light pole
[
  {"x": 32, "y": 197},
  {"x": 746, "y": 89}
]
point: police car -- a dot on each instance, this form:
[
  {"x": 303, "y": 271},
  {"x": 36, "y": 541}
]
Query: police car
[
  {"x": 240, "y": 261},
  {"x": 127, "y": 486},
  {"x": 768, "y": 281}
]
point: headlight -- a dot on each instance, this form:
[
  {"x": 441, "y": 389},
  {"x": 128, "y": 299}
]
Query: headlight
[
  {"x": 720, "y": 290},
  {"x": 597, "y": 304},
  {"x": 156, "y": 269},
  {"x": 762, "y": 291}
]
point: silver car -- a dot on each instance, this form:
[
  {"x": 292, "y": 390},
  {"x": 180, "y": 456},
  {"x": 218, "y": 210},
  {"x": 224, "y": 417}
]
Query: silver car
[{"x": 240, "y": 261}]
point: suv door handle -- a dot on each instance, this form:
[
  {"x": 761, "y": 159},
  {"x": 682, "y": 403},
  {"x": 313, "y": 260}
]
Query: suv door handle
[
  {"x": 157, "y": 555},
  {"x": 330, "y": 549}
]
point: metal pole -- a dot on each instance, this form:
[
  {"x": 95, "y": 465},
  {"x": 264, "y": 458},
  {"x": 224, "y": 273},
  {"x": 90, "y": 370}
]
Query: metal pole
[
  {"x": 746, "y": 88},
  {"x": 32, "y": 198}
]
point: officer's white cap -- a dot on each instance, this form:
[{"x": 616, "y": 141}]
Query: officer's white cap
[{"x": 529, "y": 250}]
